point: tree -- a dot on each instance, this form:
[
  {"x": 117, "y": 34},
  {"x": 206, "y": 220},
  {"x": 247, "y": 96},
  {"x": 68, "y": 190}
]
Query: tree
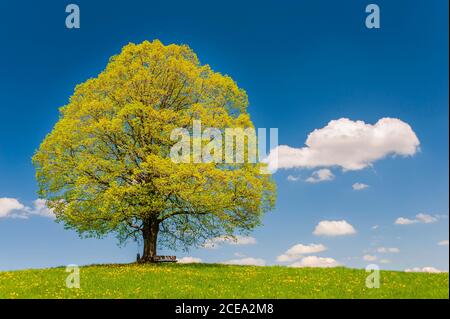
[{"x": 106, "y": 166}]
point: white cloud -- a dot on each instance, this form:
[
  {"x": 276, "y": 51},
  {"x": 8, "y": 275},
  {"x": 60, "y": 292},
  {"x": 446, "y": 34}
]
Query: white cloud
[
  {"x": 425, "y": 218},
  {"x": 420, "y": 218},
  {"x": 424, "y": 269},
  {"x": 236, "y": 240},
  {"x": 243, "y": 240},
  {"x": 246, "y": 261},
  {"x": 314, "y": 261},
  {"x": 443, "y": 243},
  {"x": 41, "y": 209},
  {"x": 293, "y": 178},
  {"x": 351, "y": 145},
  {"x": 212, "y": 243},
  {"x": 385, "y": 250},
  {"x": 375, "y": 227},
  {"x": 369, "y": 258},
  {"x": 359, "y": 186},
  {"x": 385, "y": 261},
  {"x": 189, "y": 260},
  {"x": 13, "y": 208},
  {"x": 320, "y": 175},
  {"x": 405, "y": 221},
  {"x": 334, "y": 228},
  {"x": 296, "y": 252}
]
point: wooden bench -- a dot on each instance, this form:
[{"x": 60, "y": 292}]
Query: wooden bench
[
  {"x": 165, "y": 259},
  {"x": 159, "y": 259}
]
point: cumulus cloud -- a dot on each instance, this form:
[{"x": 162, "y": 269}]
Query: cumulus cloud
[
  {"x": 385, "y": 250},
  {"x": 334, "y": 228},
  {"x": 13, "y": 208},
  {"x": 292, "y": 178},
  {"x": 296, "y": 252},
  {"x": 424, "y": 269},
  {"x": 189, "y": 260},
  {"x": 405, "y": 221},
  {"x": 235, "y": 240},
  {"x": 40, "y": 208},
  {"x": 314, "y": 261},
  {"x": 243, "y": 240},
  {"x": 351, "y": 145},
  {"x": 425, "y": 218},
  {"x": 443, "y": 243},
  {"x": 320, "y": 175},
  {"x": 369, "y": 258},
  {"x": 359, "y": 186},
  {"x": 420, "y": 218},
  {"x": 246, "y": 261}
]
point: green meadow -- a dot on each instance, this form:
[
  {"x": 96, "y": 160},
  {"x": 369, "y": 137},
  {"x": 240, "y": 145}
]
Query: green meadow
[{"x": 218, "y": 281}]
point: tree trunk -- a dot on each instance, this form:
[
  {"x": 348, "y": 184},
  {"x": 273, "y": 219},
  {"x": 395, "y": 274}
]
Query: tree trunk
[{"x": 150, "y": 234}]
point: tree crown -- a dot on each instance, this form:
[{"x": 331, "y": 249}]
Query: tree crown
[{"x": 105, "y": 167}]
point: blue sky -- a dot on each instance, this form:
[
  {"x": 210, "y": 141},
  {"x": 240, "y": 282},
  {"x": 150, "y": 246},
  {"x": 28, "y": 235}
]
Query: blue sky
[{"x": 302, "y": 63}]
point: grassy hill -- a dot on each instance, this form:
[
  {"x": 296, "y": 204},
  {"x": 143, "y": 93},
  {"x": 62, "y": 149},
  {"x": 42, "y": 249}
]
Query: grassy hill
[{"x": 218, "y": 281}]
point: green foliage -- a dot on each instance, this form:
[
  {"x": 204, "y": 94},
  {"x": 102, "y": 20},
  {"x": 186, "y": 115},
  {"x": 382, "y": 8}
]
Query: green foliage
[
  {"x": 105, "y": 167},
  {"x": 219, "y": 281}
]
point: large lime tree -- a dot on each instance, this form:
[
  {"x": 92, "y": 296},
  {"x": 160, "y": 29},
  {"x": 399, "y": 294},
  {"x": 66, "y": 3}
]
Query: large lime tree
[{"x": 106, "y": 166}]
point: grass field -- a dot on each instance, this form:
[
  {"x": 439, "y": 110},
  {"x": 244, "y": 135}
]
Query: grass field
[{"x": 218, "y": 281}]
